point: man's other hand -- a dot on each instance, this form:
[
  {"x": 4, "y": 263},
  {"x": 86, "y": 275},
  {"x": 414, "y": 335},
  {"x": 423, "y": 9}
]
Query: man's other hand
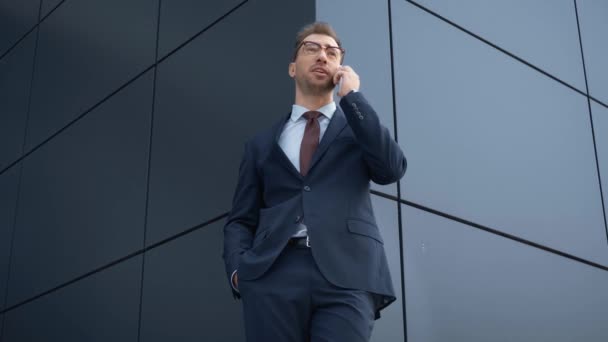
[{"x": 235, "y": 281}]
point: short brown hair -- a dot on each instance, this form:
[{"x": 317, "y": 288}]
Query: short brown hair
[{"x": 318, "y": 27}]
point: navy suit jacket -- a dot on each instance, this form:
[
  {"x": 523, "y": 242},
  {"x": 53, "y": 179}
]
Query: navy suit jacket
[{"x": 333, "y": 199}]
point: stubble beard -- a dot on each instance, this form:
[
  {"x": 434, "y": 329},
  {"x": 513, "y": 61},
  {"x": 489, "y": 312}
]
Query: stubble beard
[{"x": 315, "y": 89}]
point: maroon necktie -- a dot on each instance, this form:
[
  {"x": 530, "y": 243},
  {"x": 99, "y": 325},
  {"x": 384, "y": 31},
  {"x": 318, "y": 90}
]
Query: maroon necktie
[{"x": 310, "y": 140}]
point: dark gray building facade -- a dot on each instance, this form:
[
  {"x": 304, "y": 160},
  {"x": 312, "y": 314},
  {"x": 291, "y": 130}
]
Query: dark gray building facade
[{"x": 122, "y": 125}]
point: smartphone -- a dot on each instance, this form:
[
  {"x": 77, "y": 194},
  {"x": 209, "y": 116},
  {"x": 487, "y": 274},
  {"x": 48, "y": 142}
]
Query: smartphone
[{"x": 339, "y": 84}]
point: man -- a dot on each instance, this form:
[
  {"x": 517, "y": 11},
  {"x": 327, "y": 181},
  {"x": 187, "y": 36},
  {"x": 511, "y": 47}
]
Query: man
[{"x": 301, "y": 245}]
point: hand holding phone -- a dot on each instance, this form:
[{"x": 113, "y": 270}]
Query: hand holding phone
[{"x": 346, "y": 80}]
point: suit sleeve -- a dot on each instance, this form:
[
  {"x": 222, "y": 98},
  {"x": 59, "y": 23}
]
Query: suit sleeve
[
  {"x": 381, "y": 153},
  {"x": 242, "y": 220}
]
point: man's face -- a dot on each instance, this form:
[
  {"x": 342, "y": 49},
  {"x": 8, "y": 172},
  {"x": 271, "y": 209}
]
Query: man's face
[{"x": 313, "y": 72}]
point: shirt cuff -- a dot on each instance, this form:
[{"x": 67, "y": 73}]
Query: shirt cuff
[{"x": 232, "y": 281}]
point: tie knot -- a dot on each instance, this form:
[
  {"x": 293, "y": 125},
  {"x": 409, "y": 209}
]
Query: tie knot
[{"x": 311, "y": 115}]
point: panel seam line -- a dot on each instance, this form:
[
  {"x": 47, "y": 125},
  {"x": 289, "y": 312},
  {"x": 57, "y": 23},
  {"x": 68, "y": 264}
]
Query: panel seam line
[{"x": 597, "y": 162}]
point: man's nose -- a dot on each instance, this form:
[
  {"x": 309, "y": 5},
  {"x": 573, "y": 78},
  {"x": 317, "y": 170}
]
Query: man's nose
[{"x": 321, "y": 56}]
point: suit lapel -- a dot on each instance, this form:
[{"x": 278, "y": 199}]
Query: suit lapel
[
  {"x": 278, "y": 129},
  {"x": 336, "y": 125}
]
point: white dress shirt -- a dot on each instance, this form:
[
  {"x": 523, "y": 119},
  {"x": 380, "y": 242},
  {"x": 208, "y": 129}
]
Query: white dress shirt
[{"x": 293, "y": 131}]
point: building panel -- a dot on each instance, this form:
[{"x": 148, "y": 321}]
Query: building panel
[
  {"x": 15, "y": 76},
  {"x": 86, "y": 50},
  {"x": 182, "y": 19},
  {"x": 9, "y": 181},
  {"x": 592, "y": 16},
  {"x": 492, "y": 141},
  {"x": 465, "y": 284},
  {"x": 543, "y": 33},
  {"x": 16, "y": 18},
  {"x": 83, "y": 194},
  {"x": 102, "y": 307},
  {"x": 47, "y": 6},
  {"x": 600, "y": 126}
]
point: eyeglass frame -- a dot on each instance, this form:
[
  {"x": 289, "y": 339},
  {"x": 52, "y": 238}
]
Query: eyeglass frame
[{"x": 324, "y": 48}]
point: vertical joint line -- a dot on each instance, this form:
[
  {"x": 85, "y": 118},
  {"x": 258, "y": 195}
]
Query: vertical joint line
[
  {"x": 25, "y": 130},
  {"x": 143, "y": 256},
  {"x": 31, "y": 85},
  {"x": 39, "y": 11},
  {"x": 399, "y": 213},
  {"x": 597, "y": 163},
  {"x": 10, "y": 255}
]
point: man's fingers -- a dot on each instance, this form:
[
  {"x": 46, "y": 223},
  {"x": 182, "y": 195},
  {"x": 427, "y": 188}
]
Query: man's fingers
[
  {"x": 349, "y": 78},
  {"x": 337, "y": 77}
]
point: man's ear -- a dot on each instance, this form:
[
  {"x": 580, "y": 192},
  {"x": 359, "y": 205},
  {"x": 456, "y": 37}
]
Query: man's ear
[{"x": 292, "y": 69}]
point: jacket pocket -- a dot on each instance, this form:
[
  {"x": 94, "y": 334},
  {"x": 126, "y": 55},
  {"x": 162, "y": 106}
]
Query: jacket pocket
[{"x": 364, "y": 228}]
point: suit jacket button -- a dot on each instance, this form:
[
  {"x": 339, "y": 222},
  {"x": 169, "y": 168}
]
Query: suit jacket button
[
  {"x": 297, "y": 218},
  {"x": 306, "y": 188}
]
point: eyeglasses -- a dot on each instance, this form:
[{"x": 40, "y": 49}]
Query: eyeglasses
[{"x": 333, "y": 53}]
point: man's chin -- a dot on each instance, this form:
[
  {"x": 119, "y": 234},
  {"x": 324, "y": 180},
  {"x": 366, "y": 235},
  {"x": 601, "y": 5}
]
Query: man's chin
[
  {"x": 322, "y": 88},
  {"x": 317, "y": 87}
]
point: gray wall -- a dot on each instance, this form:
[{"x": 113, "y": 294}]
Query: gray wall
[{"x": 113, "y": 190}]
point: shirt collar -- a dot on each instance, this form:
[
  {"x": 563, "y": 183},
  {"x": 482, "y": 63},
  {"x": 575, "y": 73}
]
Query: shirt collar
[{"x": 327, "y": 110}]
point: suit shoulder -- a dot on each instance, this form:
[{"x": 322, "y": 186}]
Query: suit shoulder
[{"x": 264, "y": 138}]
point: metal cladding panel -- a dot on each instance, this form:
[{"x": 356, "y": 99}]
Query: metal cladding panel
[
  {"x": 543, "y": 32},
  {"x": 465, "y": 284},
  {"x": 47, "y": 6},
  {"x": 15, "y": 76},
  {"x": 600, "y": 126},
  {"x": 83, "y": 194},
  {"x": 493, "y": 141},
  {"x": 87, "y": 50},
  {"x": 101, "y": 307},
  {"x": 9, "y": 181},
  {"x": 182, "y": 19},
  {"x": 592, "y": 16},
  {"x": 16, "y": 18}
]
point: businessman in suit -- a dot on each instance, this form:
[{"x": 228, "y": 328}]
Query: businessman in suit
[{"x": 301, "y": 245}]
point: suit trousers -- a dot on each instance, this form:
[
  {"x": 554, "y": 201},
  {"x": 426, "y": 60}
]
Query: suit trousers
[{"x": 293, "y": 302}]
